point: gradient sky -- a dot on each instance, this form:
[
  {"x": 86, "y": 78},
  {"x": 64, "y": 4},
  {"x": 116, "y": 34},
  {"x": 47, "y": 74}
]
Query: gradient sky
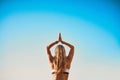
[{"x": 27, "y": 27}]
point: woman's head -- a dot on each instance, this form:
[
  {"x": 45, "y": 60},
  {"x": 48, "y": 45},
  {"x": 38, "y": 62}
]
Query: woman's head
[{"x": 60, "y": 51}]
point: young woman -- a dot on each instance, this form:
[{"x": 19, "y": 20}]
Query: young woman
[{"x": 60, "y": 63}]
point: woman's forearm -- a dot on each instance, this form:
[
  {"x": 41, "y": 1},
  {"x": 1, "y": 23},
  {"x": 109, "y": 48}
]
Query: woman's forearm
[
  {"x": 69, "y": 45},
  {"x": 52, "y": 44}
]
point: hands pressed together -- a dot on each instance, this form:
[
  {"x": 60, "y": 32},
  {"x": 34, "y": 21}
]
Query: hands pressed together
[{"x": 59, "y": 39}]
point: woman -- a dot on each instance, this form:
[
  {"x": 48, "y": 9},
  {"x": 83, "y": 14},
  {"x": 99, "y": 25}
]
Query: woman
[{"x": 60, "y": 63}]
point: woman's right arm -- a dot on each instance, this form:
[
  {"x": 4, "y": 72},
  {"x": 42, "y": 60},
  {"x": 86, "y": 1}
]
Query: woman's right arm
[
  {"x": 49, "y": 52},
  {"x": 71, "y": 53}
]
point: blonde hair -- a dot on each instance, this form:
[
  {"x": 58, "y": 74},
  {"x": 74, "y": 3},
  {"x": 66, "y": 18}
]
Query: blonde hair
[{"x": 59, "y": 59}]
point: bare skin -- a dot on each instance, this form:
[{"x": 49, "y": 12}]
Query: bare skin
[{"x": 69, "y": 58}]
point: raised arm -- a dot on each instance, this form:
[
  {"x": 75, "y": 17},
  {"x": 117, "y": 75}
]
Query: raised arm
[
  {"x": 71, "y": 53},
  {"x": 49, "y": 52}
]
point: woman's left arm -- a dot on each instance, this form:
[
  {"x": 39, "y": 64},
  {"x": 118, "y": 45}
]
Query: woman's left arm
[{"x": 49, "y": 52}]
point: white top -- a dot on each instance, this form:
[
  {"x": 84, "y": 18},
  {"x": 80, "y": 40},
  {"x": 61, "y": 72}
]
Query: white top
[{"x": 66, "y": 70}]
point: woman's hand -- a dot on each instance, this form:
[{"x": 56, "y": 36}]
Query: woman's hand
[{"x": 60, "y": 38}]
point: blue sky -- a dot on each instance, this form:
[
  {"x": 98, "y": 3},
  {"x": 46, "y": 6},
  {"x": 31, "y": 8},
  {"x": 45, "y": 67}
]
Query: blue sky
[{"x": 27, "y": 27}]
